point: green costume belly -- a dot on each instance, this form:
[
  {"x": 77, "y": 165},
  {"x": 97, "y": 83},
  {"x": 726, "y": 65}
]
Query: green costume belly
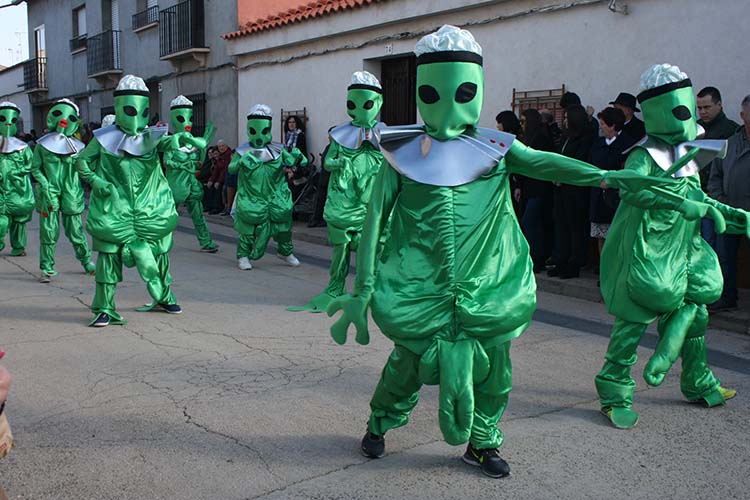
[
  {"x": 64, "y": 182},
  {"x": 262, "y": 195},
  {"x": 16, "y": 194},
  {"x": 455, "y": 264},
  {"x": 180, "y": 169},
  {"x": 350, "y": 187},
  {"x": 656, "y": 260}
]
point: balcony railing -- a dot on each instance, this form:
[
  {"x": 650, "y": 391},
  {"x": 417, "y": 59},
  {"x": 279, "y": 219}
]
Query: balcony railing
[
  {"x": 146, "y": 17},
  {"x": 103, "y": 55},
  {"x": 181, "y": 27},
  {"x": 78, "y": 43},
  {"x": 35, "y": 74}
]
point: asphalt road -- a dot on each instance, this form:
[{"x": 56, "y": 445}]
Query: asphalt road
[{"x": 237, "y": 398}]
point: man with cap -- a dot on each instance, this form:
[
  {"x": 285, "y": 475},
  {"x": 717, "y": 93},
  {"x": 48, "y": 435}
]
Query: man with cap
[
  {"x": 131, "y": 212},
  {"x": 454, "y": 282},
  {"x": 353, "y": 158},
  {"x": 181, "y": 165},
  {"x": 59, "y": 188},
  {"x": 264, "y": 201},
  {"x": 634, "y": 127},
  {"x": 16, "y": 195}
]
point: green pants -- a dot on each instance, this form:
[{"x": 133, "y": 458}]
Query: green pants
[
  {"x": 397, "y": 394},
  {"x": 109, "y": 273},
  {"x": 49, "y": 233},
  {"x": 614, "y": 383},
  {"x": 16, "y": 225},
  {"x": 344, "y": 243},
  {"x": 253, "y": 243},
  {"x": 195, "y": 209}
]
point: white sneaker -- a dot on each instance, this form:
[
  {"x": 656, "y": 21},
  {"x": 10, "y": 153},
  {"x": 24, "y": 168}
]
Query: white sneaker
[
  {"x": 244, "y": 264},
  {"x": 289, "y": 259}
]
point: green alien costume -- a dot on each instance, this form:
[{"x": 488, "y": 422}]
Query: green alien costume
[
  {"x": 181, "y": 165},
  {"x": 353, "y": 158},
  {"x": 454, "y": 283},
  {"x": 16, "y": 195},
  {"x": 59, "y": 189},
  {"x": 131, "y": 212},
  {"x": 655, "y": 264},
  {"x": 264, "y": 201}
]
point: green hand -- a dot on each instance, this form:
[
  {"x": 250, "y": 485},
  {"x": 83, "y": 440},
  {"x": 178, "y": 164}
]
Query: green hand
[{"x": 354, "y": 312}]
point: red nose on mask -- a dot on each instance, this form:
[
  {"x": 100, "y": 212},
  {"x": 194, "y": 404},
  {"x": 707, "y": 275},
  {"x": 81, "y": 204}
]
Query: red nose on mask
[
  {"x": 64, "y": 123},
  {"x": 188, "y": 128}
]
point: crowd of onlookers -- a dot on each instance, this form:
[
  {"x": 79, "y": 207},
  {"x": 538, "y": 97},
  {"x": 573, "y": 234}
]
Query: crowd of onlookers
[{"x": 560, "y": 221}]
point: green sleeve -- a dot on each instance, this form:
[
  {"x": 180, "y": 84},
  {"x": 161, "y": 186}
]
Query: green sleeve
[
  {"x": 88, "y": 157},
  {"x": 331, "y": 162},
  {"x": 385, "y": 191},
  {"x": 234, "y": 164},
  {"x": 36, "y": 168},
  {"x": 736, "y": 219},
  {"x": 529, "y": 162},
  {"x": 27, "y": 157},
  {"x": 290, "y": 158},
  {"x": 640, "y": 162}
]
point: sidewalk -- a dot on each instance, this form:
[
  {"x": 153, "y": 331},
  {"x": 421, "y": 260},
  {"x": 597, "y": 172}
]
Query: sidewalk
[{"x": 581, "y": 288}]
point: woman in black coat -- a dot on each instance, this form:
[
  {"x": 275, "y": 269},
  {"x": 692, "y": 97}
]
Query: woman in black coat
[
  {"x": 607, "y": 154},
  {"x": 571, "y": 203}
]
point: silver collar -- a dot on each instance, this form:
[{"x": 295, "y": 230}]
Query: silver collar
[
  {"x": 665, "y": 155},
  {"x": 115, "y": 140},
  {"x": 60, "y": 144},
  {"x": 350, "y": 136},
  {"x": 11, "y": 145},
  {"x": 268, "y": 153},
  {"x": 458, "y": 161}
]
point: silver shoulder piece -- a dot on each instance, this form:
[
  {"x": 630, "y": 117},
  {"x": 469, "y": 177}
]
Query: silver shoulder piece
[
  {"x": 352, "y": 137},
  {"x": 666, "y": 155},
  {"x": 116, "y": 141},
  {"x": 11, "y": 145},
  {"x": 60, "y": 144},
  {"x": 424, "y": 159},
  {"x": 270, "y": 152},
  {"x": 242, "y": 149}
]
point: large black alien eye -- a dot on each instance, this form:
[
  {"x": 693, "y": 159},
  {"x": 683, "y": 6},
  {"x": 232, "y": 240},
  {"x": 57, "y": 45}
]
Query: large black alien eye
[
  {"x": 368, "y": 105},
  {"x": 56, "y": 112},
  {"x": 145, "y": 112},
  {"x": 180, "y": 118},
  {"x": 350, "y": 105},
  {"x": 265, "y": 130},
  {"x": 2, "y": 118},
  {"x": 428, "y": 94},
  {"x": 73, "y": 118},
  {"x": 130, "y": 111},
  {"x": 253, "y": 131},
  {"x": 682, "y": 113},
  {"x": 466, "y": 92},
  {"x": 14, "y": 120}
]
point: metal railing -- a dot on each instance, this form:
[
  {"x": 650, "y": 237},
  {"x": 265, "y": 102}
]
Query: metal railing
[
  {"x": 146, "y": 17},
  {"x": 35, "y": 74},
  {"x": 103, "y": 52},
  {"x": 78, "y": 43},
  {"x": 181, "y": 27}
]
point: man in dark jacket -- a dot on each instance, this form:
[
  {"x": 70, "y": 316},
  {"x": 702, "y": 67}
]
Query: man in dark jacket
[
  {"x": 634, "y": 128},
  {"x": 730, "y": 183}
]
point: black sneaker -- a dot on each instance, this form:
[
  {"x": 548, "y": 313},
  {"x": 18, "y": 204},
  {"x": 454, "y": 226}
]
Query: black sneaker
[
  {"x": 488, "y": 459},
  {"x": 373, "y": 446},
  {"x": 171, "y": 308},
  {"x": 723, "y": 304},
  {"x": 210, "y": 249},
  {"x": 101, "y": 320}
]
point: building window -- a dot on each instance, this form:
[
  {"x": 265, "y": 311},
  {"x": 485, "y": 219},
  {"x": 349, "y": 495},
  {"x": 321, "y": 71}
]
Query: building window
[
  {"x": 199, "y": 113},
  {"x": 78, "y": 42},
  {"x": 398, "y": 76}
]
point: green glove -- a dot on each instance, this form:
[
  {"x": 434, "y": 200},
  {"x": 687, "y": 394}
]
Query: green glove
[
  {"x": 103, "y": 188},
  {"x": 250, "y": 161},
  {"x": 693, "y": 210},
  {"x": 354, "y": 312}
]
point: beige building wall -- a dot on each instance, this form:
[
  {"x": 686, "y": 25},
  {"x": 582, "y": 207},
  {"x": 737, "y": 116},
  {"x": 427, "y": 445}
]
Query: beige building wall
[{"x": 528, "y": 45}]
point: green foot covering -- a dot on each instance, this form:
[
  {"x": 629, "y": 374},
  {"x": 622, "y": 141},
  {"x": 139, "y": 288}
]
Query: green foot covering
[
  {"x": 622, "y": 418},
  {"x": 716, "y": 397},
  {"x": 114, "y": 319},
  {"x": 147, "y": 307},
  {"x": 18, "y": 252},
  {"x": 317, "y": 304}
]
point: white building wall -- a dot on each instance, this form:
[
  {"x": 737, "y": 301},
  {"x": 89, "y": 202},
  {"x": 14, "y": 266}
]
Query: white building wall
[
  {"x": 10, "y": 79},
  {"x": 528, "y": 44}
]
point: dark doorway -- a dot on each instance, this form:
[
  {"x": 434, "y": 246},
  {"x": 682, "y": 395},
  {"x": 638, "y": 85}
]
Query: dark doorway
[{"x": 398, "y": 76}]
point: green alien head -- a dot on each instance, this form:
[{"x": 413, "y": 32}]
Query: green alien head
[
  {"x": 364, "y": 99},
  {"x": 131, "y": 105},
  {"x": 9, "y": 114},
  {"x": 63, "y": 118},
  {"x": 181, "y": 114},
  {"x": 668, "y": 104},
  {"x": 259, "y": 125},
  {"x": 450, "y": 82}
]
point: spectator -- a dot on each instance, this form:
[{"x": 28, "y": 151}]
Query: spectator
[
  {"x": 321, "y": 193},
  {"x": 205, "y": 171},
  {"x": 569, "y": 99},
  {"x": 215, "y": 183},
  {"x": 730, "y": 183},
  {"x": 6, "y": 439},
  {"x": 536, "y": 221},
  {"x": 607, "y": 154},
  {"x": 507, "y": 121},
  {"x": 294, "y": 137},
  {"x": 634, "y": 128},
  {"x": 571, "y": 203},
  {"x": 552, "y": 128},
  {"x": 230, "y": 179}
]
